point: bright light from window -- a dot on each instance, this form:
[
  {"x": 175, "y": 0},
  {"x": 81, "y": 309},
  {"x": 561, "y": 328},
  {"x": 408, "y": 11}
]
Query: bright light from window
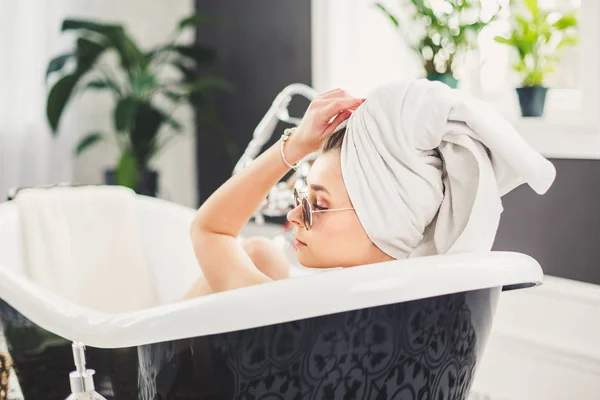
[
  {"x": 362, "y": 49},
  {"x": 496, "y": 79}
]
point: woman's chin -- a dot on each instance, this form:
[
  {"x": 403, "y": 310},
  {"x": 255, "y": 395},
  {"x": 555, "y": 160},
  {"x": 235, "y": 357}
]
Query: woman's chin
[{"x": 307, "y": 262}]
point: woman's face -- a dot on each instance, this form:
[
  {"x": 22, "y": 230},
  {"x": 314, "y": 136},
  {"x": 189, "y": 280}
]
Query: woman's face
[{"x": 336, "y": 238}]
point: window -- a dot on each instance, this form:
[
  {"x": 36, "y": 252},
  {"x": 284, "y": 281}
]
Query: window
[
  {"x": 494, "y": 79},
  {"x": 356, "y": 47}
]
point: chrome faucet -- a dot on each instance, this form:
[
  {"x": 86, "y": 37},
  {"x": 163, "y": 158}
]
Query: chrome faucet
[{"x": 281, "y": 198}]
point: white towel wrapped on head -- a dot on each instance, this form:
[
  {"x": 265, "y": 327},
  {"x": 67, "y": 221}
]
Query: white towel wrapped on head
[
  {"x": 84, "y": 243},
  {"x": 425, "y": 167}
]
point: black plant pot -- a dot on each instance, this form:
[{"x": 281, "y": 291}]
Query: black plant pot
[
  {"x": 446, "y": 78},
  {"x": 147, "y": 185},
  {"x": 532, "y": 100}
]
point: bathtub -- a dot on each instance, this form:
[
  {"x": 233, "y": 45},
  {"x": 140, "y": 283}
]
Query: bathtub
[{"x": 406, "y": 329}]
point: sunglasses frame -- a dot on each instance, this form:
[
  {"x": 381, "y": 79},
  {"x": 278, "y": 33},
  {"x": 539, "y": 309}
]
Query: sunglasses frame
[{"x": 307, "y": 210}]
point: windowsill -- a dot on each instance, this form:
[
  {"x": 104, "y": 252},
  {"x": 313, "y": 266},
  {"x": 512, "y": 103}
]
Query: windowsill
[{"x": 561, "y": 140}]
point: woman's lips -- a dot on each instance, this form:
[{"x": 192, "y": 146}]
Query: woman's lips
[{"x": 298, "y": 244}]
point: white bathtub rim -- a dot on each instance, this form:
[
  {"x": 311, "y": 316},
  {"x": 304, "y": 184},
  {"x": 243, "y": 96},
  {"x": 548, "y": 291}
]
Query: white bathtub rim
[{"x": 272, "y": 303}]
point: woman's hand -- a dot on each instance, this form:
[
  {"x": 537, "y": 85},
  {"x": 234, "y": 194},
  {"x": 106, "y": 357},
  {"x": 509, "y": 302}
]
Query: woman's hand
[{"x": 317, "y": 125}]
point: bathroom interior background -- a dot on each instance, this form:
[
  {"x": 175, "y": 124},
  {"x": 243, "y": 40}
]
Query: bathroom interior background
[{"x": 264, "y": 45}]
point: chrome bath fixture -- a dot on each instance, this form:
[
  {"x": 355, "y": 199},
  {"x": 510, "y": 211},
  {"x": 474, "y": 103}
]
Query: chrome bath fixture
[{"x": 280, "y": 198}]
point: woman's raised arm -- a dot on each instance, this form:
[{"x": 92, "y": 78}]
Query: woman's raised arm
[{"x": 221, "y": 218}]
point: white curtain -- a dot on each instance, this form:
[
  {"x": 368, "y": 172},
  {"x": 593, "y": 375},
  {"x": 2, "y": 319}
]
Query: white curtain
[
  {"x": 28, "y": 153},
  {"x": 29, "y": 37}
]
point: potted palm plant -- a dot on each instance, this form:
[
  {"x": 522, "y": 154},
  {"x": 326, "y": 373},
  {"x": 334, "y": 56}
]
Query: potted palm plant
[
  {"x": 144, "y": 90},
  {"x": 440, "y": 31},
  {"x": 538, "y": 36}
]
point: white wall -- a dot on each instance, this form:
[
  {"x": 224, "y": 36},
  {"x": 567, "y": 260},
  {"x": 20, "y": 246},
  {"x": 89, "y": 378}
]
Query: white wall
[{"x": 30, "y": 37}]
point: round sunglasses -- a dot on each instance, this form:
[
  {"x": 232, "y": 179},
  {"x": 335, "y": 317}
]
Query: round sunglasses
[{"x": 307, "y": 209}]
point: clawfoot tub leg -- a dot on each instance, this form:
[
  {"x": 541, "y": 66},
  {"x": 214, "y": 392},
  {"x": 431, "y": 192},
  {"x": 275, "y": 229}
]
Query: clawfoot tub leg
[
  {"x": 82, "y": 379},
  {"x": 270, "y": 260}
]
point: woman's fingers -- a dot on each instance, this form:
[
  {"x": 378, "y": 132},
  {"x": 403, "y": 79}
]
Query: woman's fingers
[
  {"x": 325, "y": 113},
  {"x": 326, "y": 97},
  {"x": 322, "y": 102},
  {"x": 334, "y": 93},
  {"x": 340, "y": 105},
  {"x": 341, "y": 117}
]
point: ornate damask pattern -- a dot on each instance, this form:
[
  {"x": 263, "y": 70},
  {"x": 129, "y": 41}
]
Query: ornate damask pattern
[{"x": 423, "y": 349}]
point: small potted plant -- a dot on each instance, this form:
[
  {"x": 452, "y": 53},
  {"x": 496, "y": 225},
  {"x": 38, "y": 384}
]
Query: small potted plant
[
  {"x": 440, "y": 31},
  {"x": 538, "y": 36},
  {"x": 144, "y": 88}
]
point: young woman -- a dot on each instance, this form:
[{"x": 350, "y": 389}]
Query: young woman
[
  {"x": 327, "y": 231},
  {"x": 424, "y": 166}
]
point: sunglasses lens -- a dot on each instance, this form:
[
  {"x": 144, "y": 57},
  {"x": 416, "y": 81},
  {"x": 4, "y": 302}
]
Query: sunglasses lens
[
  {"x": 296, "y": 199},
  {"x": 306, "y": 214},
  {"x": 306, "y": 211}
]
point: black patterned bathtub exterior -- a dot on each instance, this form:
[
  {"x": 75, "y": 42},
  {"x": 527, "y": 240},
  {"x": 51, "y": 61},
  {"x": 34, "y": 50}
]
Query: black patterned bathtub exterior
[{"x": 422, "y": 349}]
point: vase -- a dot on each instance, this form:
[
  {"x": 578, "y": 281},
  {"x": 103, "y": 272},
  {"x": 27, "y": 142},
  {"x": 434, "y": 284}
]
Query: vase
[
  {"x": 147, "y": 184},
  {"x": 446, "y": 78},
  {"x": 532, "y": 100}
]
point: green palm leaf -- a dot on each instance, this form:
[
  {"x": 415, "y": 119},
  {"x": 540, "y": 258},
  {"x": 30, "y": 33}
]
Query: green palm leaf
[
  {"x": 196, "y": 20},
  {"x": 137, "y": 119},
  {"x": 57, "y": 63},
  {"x": 57, "y": 99},
  {"x": 87, "y": 142}
]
